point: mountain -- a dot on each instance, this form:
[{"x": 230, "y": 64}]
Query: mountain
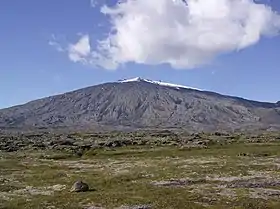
[{"x": 142, "y": 103}]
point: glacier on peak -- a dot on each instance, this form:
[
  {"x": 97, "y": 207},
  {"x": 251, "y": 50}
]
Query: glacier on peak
[{"x": 161, "y": 83}]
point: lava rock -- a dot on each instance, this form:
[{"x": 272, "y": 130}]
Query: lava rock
[{"x": 79, "y": 186}]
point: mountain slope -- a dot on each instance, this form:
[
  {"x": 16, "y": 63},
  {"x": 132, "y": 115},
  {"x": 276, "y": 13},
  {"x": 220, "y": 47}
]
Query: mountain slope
[{"x": 143, "y": 103}]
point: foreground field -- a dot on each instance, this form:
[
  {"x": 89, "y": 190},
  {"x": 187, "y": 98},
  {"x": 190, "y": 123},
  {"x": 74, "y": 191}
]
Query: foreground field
[{"x": 238, "y": 175}]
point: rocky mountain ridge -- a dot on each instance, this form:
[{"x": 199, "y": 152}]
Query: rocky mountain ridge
[{"x": 141, "y": 103}]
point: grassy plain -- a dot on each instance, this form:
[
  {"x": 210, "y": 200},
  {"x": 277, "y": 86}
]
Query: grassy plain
[{"x": 219, "y": 176}]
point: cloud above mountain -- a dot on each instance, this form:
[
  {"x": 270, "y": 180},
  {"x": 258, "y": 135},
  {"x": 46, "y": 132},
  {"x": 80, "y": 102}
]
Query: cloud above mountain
[{"x": 183, "y": 33}]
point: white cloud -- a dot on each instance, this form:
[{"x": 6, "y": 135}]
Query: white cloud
[
  {"x": 54, "y": 43},
  {"x": 93, "y": 3},
  {"x": 80, "y": 51},
  {"x": 184, "y": 34}
]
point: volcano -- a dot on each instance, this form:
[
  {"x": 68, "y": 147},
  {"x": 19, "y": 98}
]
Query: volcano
[{"x": 142, "y": 103}]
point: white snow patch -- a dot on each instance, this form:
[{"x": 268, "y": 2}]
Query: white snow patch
[
  {"x": 131, "y": 80},
  {"x": 138, "y": 79}
]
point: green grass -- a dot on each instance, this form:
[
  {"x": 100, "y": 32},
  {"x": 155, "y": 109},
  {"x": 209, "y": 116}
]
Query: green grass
[{"x": 124, "y": 176}]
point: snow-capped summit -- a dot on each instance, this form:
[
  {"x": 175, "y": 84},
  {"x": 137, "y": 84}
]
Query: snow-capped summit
[
  {"x": 161, "y": 83},
  {"x": 131, "y": 80}
]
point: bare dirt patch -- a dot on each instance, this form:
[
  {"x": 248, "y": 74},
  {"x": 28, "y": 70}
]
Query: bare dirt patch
[{"x": 178, "y": 182}]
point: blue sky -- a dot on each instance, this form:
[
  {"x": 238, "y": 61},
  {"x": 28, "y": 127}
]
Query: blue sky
[{"x": 30, "y": 68}]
